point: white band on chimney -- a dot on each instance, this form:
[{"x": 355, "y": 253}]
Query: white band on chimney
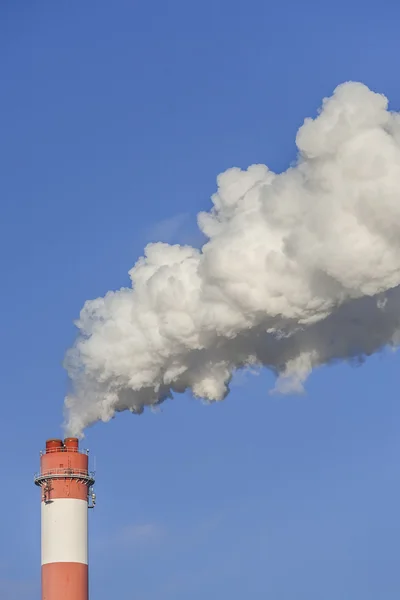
[{"x": 65, "y": 531}]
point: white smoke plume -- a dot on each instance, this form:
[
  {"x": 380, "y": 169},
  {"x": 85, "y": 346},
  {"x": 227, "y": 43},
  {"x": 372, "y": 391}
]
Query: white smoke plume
[{"x": 300, "y": 269}]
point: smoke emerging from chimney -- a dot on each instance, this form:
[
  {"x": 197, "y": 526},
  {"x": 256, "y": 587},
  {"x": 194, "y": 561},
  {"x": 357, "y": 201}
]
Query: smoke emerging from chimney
[{"x": 300, "y": 269}]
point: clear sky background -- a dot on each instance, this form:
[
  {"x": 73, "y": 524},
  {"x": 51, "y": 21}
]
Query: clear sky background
[{"x": 115, "y": 119}]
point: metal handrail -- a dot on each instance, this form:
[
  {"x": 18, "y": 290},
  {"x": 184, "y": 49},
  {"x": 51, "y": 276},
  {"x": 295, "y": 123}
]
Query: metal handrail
[
  {"x": 65, "y": 473},
  {"x": 61, "y": 449}
]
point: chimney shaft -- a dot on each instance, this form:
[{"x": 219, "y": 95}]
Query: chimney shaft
[{"x": 66, "y": 485}]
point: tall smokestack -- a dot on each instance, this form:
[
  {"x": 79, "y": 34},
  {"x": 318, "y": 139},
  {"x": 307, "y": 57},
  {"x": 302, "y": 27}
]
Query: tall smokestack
[{"x": 66, "y": 485}]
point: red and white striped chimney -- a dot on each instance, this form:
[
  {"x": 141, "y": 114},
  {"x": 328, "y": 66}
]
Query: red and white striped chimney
[{"x": 66, "y": 485}]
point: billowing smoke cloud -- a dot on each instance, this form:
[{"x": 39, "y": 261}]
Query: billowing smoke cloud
[{"x": 300, "y": 268}]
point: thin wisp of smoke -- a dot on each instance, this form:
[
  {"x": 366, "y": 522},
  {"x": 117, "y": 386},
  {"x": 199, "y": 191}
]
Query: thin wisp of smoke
[{"x": 299, "y": 269}]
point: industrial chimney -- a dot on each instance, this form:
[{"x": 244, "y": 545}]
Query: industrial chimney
[{"x": 66, "y": 486}]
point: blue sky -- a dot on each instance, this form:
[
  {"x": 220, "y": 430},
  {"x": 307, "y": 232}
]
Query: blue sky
[{"x": 115, "y": 120}]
